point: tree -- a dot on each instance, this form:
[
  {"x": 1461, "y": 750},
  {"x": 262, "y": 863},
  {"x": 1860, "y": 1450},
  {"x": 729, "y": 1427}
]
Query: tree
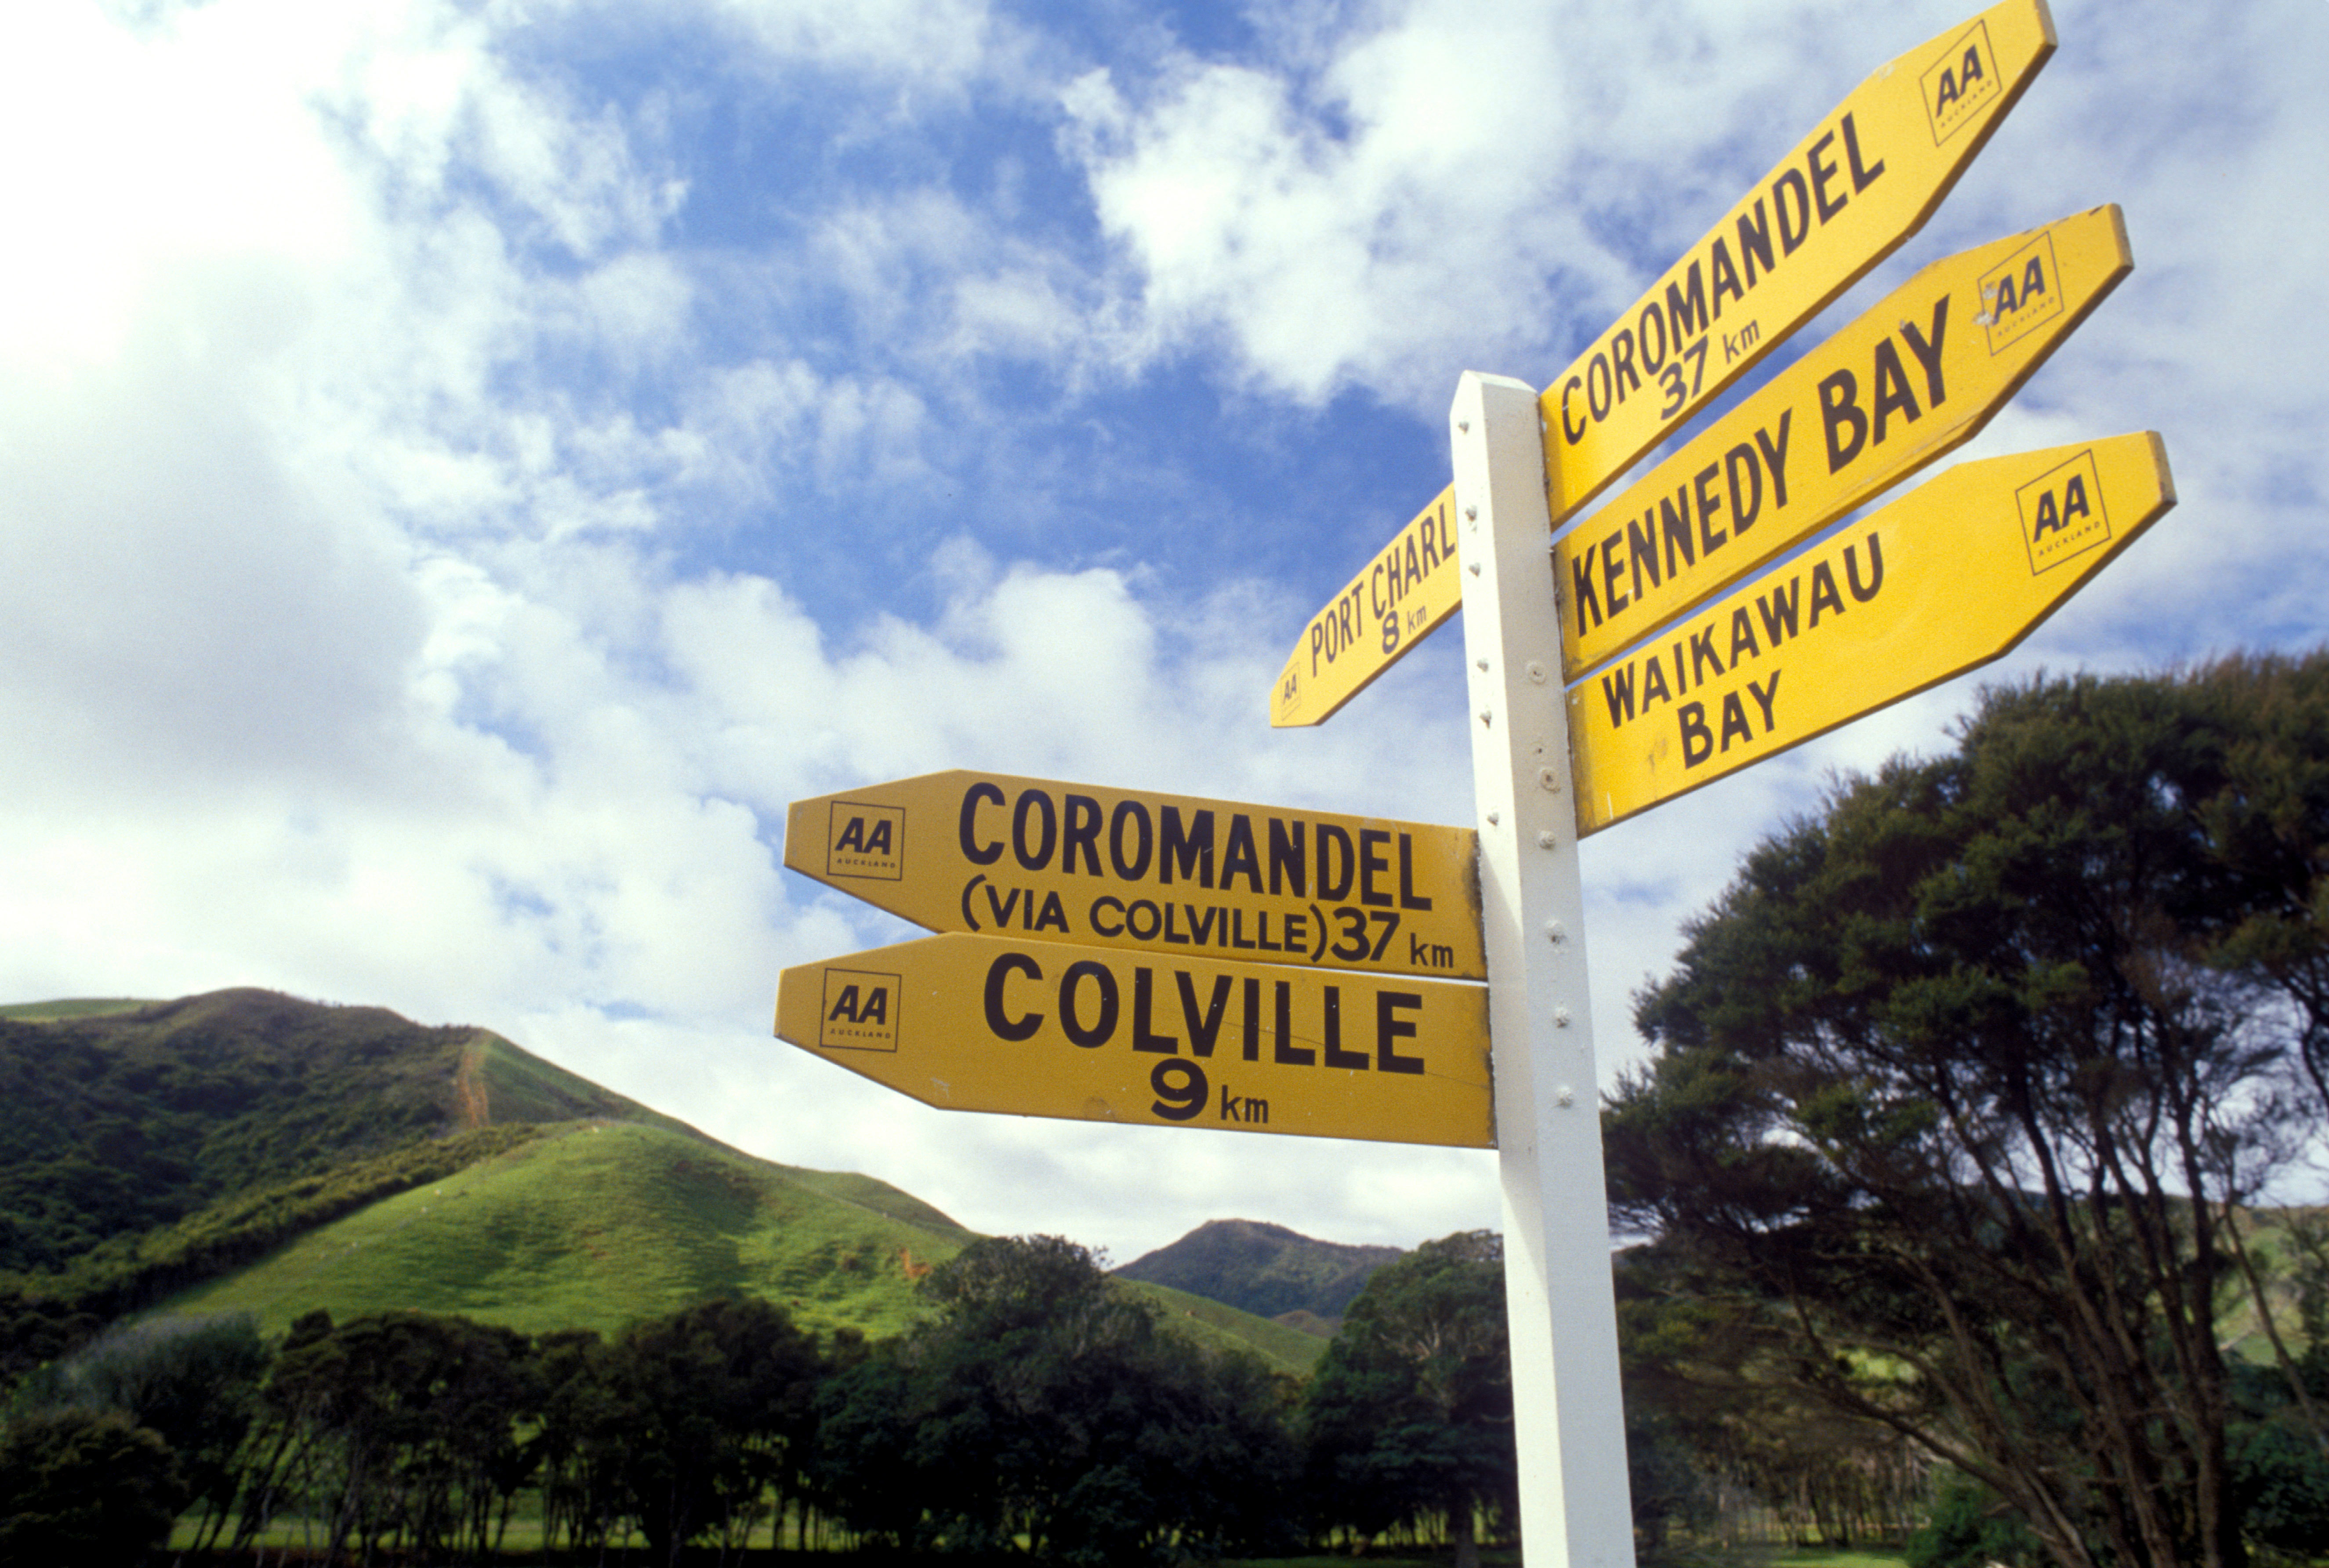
[
  {"x": 1042, "y": 1409},
  {"x": 194, "y": 1381},
  {"x": 1410, "y": 1414},
  {"x": 1961, "y": 1077},
  {"x": 86, "y": 1488},
  {"x": 714, "y": 1407}
]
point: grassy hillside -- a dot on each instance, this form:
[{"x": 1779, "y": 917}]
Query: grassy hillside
[
  {"x": 247, "y": 1151},
  {"x": 1265, "y": 1269},
  {"x": 593, "y": 1224},
  {"x": 1209, "y": 1323}
]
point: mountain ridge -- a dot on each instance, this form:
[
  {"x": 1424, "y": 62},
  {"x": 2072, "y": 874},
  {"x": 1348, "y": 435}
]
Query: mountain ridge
[
  {"x": 1265, "y": 1268},
  {"x": 246, "y": 1150}
]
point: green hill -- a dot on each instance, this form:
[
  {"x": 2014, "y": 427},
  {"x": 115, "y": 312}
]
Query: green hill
[
  {"x": 1264, "y": 1270},
  {"x": 248, "y": 1151},
  {"x": 593, "y": 1224}
]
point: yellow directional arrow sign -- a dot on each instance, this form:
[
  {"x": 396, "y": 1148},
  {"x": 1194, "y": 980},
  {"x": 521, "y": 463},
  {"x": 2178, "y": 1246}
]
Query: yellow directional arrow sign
[
  {"x": 1864, "y": 181},
  {"x": 1405, "y": 591},
  {"x": 1046, "y": 861},
  {"x": 1949, "y": 577},
  {"x": 997, "y": 1023},
  {"x": 1915, "y": 377},
  {"x": 1842, "y": 201}
]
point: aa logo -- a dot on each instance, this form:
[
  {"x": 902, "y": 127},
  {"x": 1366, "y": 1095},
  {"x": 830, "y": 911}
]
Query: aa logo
[
  {"x": 860, "y": 1011},
  {"x": 2062, "y": 513},
  {"x": 866, "y": 840},
  {"x": 2020, "y": 293},
  {"x": 1961, "y": 83}
]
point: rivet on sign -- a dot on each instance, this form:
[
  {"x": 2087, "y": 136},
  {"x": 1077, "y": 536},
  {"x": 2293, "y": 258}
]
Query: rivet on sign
[
  {"x": 1493, "y": 819},
  {"x": 1553, "y": 931},
  {"x": 1476, "y": 569},
  {"x": 1472, "y": 512},
  {"x": 1482, "y": 664},
  {"x": 1484, "y": 716},
  {"x": 1565, "y": 1095},
  {"x": 1548, "y": 779},
  {"x": 1546, "y": 840},
  {"x": 1536, "y": 671},
  {"x": 1465, "y": 425},
  {"x": 1561, "y": 1018}
]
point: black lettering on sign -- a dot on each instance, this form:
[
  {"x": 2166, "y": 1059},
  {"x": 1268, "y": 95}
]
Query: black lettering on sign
[
  {"x": 1097, "y": 1032},
  {"x": 1143, "y": 1004},
  {"x": 973, "y": 851},
  {"x": 1390, "y": 1027},
  {"x": 1180, "y": 1089},
  {"x": 1348, "y": 1060},
  {"x": 999, "y": 1022},
  {"x": 1206, "y": 1027},
  {"x": 1083, "y": 833},
  {"x": 1034, "y": 804}
]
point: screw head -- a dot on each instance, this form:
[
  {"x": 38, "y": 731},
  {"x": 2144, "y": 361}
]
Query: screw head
[
  {"x": 1494, "y": 818},
  {"x": 1536, "y": 671},
  {"x": 1548, "y": 779},
  {"x": 1546, "y": 840}
]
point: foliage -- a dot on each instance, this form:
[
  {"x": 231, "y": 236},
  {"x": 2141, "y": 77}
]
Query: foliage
[
  {"x": 1411, "y": 1412},
  {"x": 43, "y": 1319},
  {"x": 87, "y": 1487},
  {"x": 716, "y": 1405},
  {"x": 1960, "y": 1077},
  {"x": 1971, "y": 1528},
  {"x": 193, "y": 1382},
  {"x": 1044, "y": 1405}
]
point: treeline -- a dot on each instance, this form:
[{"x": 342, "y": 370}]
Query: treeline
[
  {"x": 1039, "y": 1410},
  {"x": 44, "y": 1317}
]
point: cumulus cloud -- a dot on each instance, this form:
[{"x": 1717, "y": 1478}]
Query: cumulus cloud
[{"x": 454, "y": 496}]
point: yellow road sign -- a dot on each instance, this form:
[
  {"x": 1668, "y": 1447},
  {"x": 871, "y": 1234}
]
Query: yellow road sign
[
  {"x": 1949, "y": 577},
  {"x": 999, "y": 1024},
  {"x": 1864, "y": 181},
  {"x": 1849, "y": 194},
  {"x": 1405, "y": 591},
  {"x": 1046, "y": 861},
  {"x": 1915, "y": 377}
]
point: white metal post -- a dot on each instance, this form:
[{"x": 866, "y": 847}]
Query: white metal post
[{"x": 1575, "y": 1507}]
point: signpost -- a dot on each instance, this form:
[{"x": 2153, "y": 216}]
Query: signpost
[
  {"x": 1915, "y": 377},
  {"x": 1119, "y": 956},
  {"x": 996, "y": 1023},
  {"x": 1850, "y": 193},
  {"x": 1950, "y": 577},
  {"x": 1045, "y": 861}
]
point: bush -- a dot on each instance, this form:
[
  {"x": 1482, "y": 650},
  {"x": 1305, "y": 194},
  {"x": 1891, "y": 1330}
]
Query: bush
[
  {"x": 1971, "y": 1526},
  {"x": 84, "y": 1488}
]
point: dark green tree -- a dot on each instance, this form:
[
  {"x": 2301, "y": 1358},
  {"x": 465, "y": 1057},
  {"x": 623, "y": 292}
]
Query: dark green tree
[
  {"x": 1961, "y": 1076},
  {"x": 1410, "y": 1414},
  {"x": 396, "y": 1428},
  {"x": 713, "y": 1411},
  {"x": 192, "y": 1381},
  {"x": 87, "y": 1487},
  {"x": 1044, "y": 1410}
]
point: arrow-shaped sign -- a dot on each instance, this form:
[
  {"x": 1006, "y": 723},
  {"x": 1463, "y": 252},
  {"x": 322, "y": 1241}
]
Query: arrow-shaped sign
[
  {"x": 1026, "y": 1028},
  {"x": 1949, "y": 577},
  {"x": 1864, "y": 181},
  {"x": 1041, "y": 861},
  {"x": 1914, "y": 378}
]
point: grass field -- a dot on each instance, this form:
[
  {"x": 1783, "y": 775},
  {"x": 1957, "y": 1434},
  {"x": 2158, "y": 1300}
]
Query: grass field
[
  {"x": 597, "y": 1224},
  {"x": 594, "y": 1225}
]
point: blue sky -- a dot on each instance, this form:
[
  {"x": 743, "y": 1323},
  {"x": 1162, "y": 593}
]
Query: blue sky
[{"x": 465, "y": 468}]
